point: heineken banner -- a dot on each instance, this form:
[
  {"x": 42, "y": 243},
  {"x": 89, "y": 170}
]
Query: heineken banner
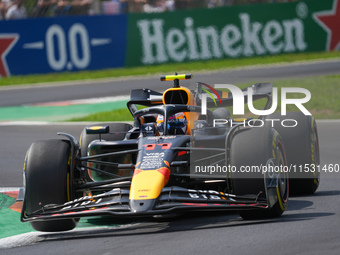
[
  {"x": 47, "y": 45},
  {"x": 90, "y": 43},
  {"x": 233, "y": 32}
]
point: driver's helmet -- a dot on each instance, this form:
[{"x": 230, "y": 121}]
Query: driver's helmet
[{"x": 177, "y": 124}]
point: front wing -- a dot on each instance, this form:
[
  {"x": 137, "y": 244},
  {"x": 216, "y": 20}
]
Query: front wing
[{"x": 172, "y": 199}]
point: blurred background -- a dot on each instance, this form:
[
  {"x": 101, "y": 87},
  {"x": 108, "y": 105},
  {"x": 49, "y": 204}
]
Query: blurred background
[{"x": 48, "y": 8}]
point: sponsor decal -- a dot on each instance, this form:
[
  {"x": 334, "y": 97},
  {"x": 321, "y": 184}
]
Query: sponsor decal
[
  {"x": 206, "y": 194},
  {"x": 329, "y": 21},
  {"x": 59, "y": 44},
  {"x": 7, "y": 42},
  {"x": 83, "y": 201},
  {"x": 233, "y": 32},
  {"x": 152, "y": 160},
  {"x": 160, "y": 137},
  {"x": 250, "y": 38}
]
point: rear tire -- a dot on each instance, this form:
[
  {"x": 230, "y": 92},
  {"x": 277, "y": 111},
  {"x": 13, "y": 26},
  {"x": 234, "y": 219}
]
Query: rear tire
[
  {"x": 47, "y": 169},
  {"x": 255, "y": 147},
  {"x": 117, "y": 133},
  {"x": 119, "y": 128},
  {"x": 302, "y": 147}
]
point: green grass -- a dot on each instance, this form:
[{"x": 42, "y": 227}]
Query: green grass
[
  {"x": 165, "y": 69},
  {"x": 325, "y": 91},
  {"x": 116, "y": 115},
  {"x": 324, "y": 103}
]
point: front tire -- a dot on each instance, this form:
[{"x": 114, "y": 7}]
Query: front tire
[
  {"x": 255, "y": 148},
  {"x": 47, "y": 169}
]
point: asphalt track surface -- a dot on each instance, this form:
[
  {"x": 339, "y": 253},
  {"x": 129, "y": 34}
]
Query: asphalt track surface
[
  {"x": 311, "y": 224},
  {"x": 70, "y": 91}
]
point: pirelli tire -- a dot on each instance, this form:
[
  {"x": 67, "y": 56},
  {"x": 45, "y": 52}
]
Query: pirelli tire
[
  {"x": 255, "y": 147},
  {"x": 47, "y": 182},
  {"x": 117, "y": 133},
  {"x": 302, "y": 150}
]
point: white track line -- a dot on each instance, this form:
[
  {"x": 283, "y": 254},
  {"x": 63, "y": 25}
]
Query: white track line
[
  {"x": 156, "y": 75},
  {"x": 96, "y": 100},
  {"x": 20, "y": 240},
  {"x": 35, "y": 237},
  {"x": 8, "y": 189}
]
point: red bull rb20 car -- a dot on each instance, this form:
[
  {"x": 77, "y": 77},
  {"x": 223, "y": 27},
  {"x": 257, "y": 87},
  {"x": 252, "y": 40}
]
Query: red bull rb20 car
[{"x": 173, "y": 159}]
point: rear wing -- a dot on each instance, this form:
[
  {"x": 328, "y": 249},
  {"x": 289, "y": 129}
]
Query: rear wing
[
  {"x": 215, "y": 97},
  {"x": 146, "y": 97}
]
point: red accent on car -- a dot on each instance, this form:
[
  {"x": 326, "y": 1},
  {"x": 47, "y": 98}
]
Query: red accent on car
[
  {"x": 195, "y": 204},
  {"x": 182, "y": 153},
  {"x": 137, "y": 171},
  {"x": 149, "y": 147},
  {"x": 166, "y": 172},
  {"x": 166, "y": 146}
]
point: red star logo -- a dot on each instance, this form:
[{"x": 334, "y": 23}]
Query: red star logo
[
  {"x": 7, "y": 41},
  {"x": 330, "y": 21}
]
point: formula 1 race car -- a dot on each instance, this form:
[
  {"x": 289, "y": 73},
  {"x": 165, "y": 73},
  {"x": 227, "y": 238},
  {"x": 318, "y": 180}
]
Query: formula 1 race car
[{"x": 175, "y": 158}]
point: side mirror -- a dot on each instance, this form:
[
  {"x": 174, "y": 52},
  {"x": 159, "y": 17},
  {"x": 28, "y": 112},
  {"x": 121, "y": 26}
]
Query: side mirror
[{"x": 92, "y": 130}]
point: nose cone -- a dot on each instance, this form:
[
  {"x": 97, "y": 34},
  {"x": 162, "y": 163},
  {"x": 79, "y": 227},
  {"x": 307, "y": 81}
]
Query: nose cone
[
  {"x": 146, "y": 187},
  {"x": 149, "y": 183},
  {"x": 142, "y": 205}
]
